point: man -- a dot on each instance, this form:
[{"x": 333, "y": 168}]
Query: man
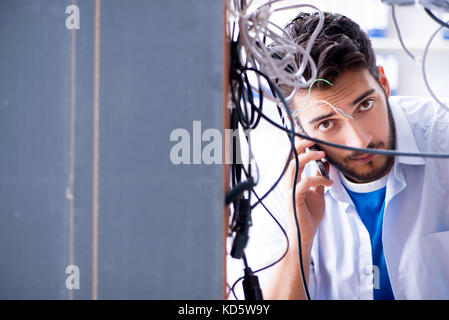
[{"x": 378, "y": 228}]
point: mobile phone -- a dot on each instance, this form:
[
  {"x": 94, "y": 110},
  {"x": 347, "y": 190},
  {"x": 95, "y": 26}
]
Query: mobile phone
[{"x": 319, "y": 163}]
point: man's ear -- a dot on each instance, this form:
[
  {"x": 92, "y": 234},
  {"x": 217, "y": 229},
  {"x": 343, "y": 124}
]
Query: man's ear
[{"x": 383, "y": 80}]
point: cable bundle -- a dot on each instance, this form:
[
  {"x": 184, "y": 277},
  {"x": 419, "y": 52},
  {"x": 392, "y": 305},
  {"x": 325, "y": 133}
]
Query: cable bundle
[
  {"x": 253, "y": 67},
  {"x": 256, "y": 30}
]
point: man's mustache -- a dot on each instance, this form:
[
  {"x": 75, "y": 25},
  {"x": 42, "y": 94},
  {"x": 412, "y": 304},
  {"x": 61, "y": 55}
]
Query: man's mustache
[{"x": 372, "y": 145}]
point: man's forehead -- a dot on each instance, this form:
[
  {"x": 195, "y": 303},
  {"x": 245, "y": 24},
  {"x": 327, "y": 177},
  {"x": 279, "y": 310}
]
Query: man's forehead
[
  {"x": 313, "y": 110},
  {"x": 319, "y": 101},
  {"x": 348, "y": 88}
]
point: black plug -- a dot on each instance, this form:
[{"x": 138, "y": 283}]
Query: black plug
[
  {"x": 241, "y": 228},
  {"x": 251, "y": 286}
]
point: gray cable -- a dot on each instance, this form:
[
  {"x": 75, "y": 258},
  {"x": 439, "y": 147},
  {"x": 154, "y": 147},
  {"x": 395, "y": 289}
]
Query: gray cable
[
  {"x": 398, "y": 31},
  {"x": 423, "y": 69}
]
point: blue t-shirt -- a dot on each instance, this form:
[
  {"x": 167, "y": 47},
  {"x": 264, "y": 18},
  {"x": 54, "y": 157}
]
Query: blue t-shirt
[{"x": 370, "y": 207}]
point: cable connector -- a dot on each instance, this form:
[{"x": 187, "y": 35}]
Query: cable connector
[
  {"x": 241, "y": 227},
  {"x": 251, "y": 286}
]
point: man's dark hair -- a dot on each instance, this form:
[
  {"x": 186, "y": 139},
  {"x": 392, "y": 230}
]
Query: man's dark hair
[{"x": 341, "y": 45}]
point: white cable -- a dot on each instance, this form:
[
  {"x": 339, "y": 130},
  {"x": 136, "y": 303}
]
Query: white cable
[
  {"x": 423, "y": 69},
  {"x": 255, "y": 28},
  {"x": 314, "y": 35},
  {"x": 398, "y": 31}
]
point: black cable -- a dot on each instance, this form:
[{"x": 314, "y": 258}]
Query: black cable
[
  {"x": 259, "y": 201},
  {"x": 276, "y": 182},
  {"x": 230, "y": 290},
  {"x": 298, "y": 229},
  {"x": 248, "y": 119},
  {"x": 245, "y": 94},
  {"x": 249, "y": 178},
  {"x": 297, "y": 226},
  {"x": 249, "y": 96},
  {"x": 259, "y": 110},
  {"x": 340, "y": 146},
  {"x": 279, "y": 178},
  {"x": 362, "y": 150},
  {"x": 291, "y": 135},
  {"x": 245, "y": 262},
  {"x": 276, "y": 261},
  {"x": 436, "y": 19}
]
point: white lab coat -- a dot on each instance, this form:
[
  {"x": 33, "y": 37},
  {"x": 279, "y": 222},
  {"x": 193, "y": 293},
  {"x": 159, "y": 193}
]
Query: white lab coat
[{"x": 415, "y": 231}]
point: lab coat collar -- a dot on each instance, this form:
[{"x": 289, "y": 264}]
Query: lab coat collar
[{"x": 337, "y": 191}]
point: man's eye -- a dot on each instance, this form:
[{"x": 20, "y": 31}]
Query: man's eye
[
  {"x": 325, "y": 125},
  {"x": 366, "y": 105}
]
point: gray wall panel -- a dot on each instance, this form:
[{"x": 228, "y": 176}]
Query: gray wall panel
[
  {"x": 84, "y": 87},
  {"x": 159, "y": 73},
  {"x": 160, "y": 225},
  {"x": 34, "y": 93}
]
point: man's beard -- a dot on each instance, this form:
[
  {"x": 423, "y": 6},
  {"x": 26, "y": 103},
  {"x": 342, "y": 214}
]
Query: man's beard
[{"x": 378, "y": 172}]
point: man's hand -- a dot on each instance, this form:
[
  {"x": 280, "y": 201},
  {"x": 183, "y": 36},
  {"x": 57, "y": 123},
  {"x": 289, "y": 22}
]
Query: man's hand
[
  {"x": 309, "y": 194},
  {"x": 285, "y": 281}
]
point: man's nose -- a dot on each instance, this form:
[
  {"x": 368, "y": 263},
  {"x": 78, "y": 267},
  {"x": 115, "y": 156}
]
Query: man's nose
[{"x": 357, "y": 136}]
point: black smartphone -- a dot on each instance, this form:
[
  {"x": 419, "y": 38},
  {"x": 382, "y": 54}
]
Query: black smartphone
[{"x": 319, "y": 163}]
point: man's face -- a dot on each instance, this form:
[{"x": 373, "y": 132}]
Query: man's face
[{"x": 360, "y": 96}]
